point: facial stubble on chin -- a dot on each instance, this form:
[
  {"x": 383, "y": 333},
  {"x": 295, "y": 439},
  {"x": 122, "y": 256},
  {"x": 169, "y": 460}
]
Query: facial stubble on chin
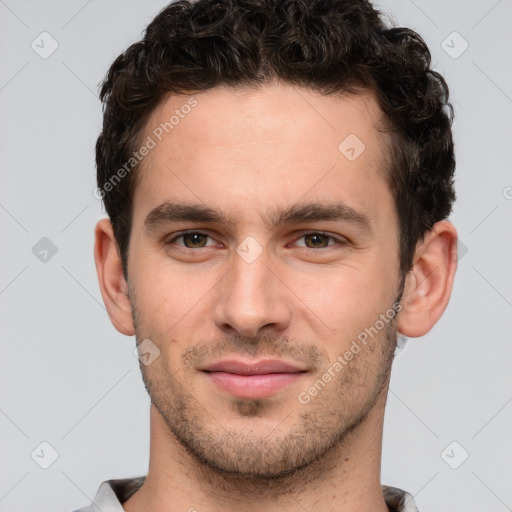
[{"x": 322, "y": 425}]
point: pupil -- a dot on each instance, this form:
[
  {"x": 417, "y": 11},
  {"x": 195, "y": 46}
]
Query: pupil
[
  {"x": 317, "y": 239},
  {"x": 195, "y": 238}
]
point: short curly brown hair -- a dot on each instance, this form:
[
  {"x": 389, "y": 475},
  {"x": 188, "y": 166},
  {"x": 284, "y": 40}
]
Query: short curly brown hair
[{"x": 329, "y": 46}]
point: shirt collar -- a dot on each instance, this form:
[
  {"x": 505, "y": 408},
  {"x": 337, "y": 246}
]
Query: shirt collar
[{"x": 112, "y": 493}]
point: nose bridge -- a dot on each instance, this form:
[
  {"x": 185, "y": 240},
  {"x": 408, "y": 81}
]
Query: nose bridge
[{"x": 250, "y": 298}]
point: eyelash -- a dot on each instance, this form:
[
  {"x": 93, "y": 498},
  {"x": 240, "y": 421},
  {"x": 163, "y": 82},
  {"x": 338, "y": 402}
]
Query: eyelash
[{"x": 340, "y": 241}]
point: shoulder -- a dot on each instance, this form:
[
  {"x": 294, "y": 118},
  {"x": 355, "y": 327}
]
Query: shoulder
[
  {"x": 398, "y": 500},
  {"x": 112, "y": 493}
]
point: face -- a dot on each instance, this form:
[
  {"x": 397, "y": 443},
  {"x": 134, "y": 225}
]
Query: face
[{"x": 263, "y": 265}]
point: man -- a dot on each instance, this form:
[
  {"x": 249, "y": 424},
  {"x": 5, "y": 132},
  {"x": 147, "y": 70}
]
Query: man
[{"x": 277, "y": 174}]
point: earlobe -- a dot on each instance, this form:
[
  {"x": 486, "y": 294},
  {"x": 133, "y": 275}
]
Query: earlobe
[
  {"x": 429, "y": 283},
  {"x": 113, "y": 286}
]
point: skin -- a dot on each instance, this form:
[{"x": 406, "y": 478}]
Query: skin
[{"x": 246, "y": 153}]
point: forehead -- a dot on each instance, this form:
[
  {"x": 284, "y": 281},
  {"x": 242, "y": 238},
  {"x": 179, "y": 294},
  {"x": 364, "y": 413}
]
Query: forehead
[
  {"x": 251, "y": 148},
  {"x": 281, "y": 112}
]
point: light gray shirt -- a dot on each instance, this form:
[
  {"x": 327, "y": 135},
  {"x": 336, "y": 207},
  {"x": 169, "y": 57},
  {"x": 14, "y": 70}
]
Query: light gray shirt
[{"x": 112, "y": 493}]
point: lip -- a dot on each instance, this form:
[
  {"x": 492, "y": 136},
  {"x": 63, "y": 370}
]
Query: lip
[
  {"x": 261, "y": 367},
  {"x": 259, "y": 379}
]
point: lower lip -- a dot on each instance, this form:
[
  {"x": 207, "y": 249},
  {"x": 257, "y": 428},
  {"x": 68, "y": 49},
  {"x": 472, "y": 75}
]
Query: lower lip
[{"x": 253, "y": 386}]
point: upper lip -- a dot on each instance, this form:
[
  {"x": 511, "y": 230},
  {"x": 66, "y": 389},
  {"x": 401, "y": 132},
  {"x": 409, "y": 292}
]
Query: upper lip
[{"x": 253, "y": 368}]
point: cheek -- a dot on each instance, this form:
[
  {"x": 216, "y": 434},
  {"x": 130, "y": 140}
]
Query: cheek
[
  {"x": 165, "y": 288},
  {"x": 172, "y": 303},
  {"x": 337, "y": 291},
  {"x": 345, "y": 301}
]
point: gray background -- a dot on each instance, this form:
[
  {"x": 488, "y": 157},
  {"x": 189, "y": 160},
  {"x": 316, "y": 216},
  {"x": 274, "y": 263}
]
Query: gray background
[{"x": 69, "y": 379}]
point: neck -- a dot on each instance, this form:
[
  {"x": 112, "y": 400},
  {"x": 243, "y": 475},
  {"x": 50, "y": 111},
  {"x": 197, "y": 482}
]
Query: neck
[{"x": 346, "y": 478}]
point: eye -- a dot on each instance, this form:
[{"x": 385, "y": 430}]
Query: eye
[
  {"x": 191, "y": 240},
  {"x": 319, "y": 240}
]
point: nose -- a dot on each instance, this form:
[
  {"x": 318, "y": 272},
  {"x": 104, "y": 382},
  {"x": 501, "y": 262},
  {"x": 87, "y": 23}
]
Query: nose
[{"x": 252, "y": 299}]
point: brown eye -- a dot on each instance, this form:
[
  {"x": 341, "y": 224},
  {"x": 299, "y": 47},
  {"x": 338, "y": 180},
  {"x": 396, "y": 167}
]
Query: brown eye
[
  {"x": 191, "y": 240},
  {"x": 316, "y": 240},
  {"x": 195, "y": 239}
]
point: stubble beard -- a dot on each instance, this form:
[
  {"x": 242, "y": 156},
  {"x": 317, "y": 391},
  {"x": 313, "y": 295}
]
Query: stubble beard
[{"x": 254, "y": 457}]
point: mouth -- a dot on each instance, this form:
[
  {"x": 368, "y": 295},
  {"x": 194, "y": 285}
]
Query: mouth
[{"x": 260, "y": 379}]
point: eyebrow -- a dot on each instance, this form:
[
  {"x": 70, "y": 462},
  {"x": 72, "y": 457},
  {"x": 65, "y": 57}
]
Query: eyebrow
[
  {"x": 169, "y": 212},
  {"x": 314, "y": 212}
]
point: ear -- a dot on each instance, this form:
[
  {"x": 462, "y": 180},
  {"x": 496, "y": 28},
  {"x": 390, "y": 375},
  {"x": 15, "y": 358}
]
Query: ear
[
  {"x": 429, "y": 283},
  {"x": 113, "y": 286}
]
